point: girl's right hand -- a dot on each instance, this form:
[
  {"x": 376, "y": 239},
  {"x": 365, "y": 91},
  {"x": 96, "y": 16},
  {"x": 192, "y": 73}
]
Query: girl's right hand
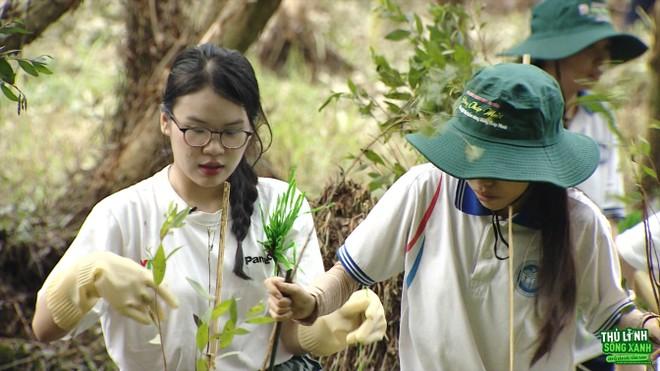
[{"x": 288, "y": 300}]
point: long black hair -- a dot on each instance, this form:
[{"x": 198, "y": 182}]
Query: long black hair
[
  {"x": 557, "y": 290},
  {"x": 231, "y": 76}
]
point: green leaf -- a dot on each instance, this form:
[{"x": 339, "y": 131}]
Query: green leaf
[
  {"x": 8, "y": 93},
  {"x": 179, "y": 217},
  {"x": 172, "y": 252},
  {"x": 159, "y": 265},
  {"x": 240, "y": 331},
  {"x": 27, "y": 67},
  {"x": 198, "y": 321},
  {"x": 397, "y": 35},
  {"x": 41, "y": 67},
  {"x": 398, "y": 95},
  {"x": 202, "y": 364},
  {"x": 226, "y": 338},
  {"x": 352, "y": 87},
  {"x": 202, "y": 336},
  {"x": 6, "y": 72},
  {"x": 644, "y": 146},
  {"x": 332, "y": 97},
  {"x": 650, "y": 172},
  {"x": 373, "y": 157},
  {"x": 222, "y": 308},
  {"x": 256, "y": 310},
  {"x": 260, "y": 320},
  {"x": 398, "y": 170},
  {"x": 419, "y": 27},
  {"x": 201, "y": 291},
  {"x": 233, "y": 314},
  {"x": 15, "y": 27}
]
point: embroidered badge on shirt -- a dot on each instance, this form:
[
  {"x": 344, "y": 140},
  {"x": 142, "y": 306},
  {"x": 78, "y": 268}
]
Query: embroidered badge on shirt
[{"x": 527, "y": 278}]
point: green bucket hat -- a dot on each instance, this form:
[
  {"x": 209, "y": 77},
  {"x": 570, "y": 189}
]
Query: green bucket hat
[
  {"x": 561, "y": 28},
  {"x": 508, "y": 125}
]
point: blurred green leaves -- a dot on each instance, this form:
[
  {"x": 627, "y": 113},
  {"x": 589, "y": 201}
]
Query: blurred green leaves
[
  {"x": 11, "y": 64},
  {"x": 420, "y": 95}
]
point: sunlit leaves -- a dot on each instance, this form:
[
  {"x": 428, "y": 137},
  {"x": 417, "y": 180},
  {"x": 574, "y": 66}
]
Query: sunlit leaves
[{"x": 419, "y": 94}]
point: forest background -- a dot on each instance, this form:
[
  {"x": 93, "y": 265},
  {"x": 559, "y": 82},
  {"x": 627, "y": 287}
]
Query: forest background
[{"x": 327, "y": 71}]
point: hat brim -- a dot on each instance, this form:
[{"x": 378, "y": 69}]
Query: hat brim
[
  {"x": 623, "y": 47},
  {"x": 568, "y": 162}
]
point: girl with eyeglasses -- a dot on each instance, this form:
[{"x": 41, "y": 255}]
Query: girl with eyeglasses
[
  {"x": 212, "y": 114},
  {"x": 499, "y": 254}
]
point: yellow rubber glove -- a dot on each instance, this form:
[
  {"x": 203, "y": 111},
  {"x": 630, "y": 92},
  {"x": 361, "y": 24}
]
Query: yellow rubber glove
[
  {"x": 126, "y": 285},
  {"x": 360, "y": 320}
]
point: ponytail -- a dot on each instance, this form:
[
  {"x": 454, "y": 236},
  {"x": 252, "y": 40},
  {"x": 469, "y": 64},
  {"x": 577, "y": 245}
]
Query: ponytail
[{"x": 557, "y": 273}]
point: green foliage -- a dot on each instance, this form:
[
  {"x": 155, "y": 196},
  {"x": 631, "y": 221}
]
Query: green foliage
[
  {"x": 629, "y": 221},
  {"x": 232, "y": 327},
  {"x": 173, "y": 219},
  {"x": 31, "y": 66},
  {"x": 420, "y": 96},
  {"x": 279, "y": 224}
]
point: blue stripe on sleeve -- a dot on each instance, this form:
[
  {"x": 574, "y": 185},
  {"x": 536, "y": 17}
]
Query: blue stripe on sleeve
[{"x": 352, "y": 268}]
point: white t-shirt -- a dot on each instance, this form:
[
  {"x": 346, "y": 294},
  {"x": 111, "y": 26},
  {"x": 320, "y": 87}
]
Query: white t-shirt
[
  {"x": 455, "y": 302},
  {"x": 632, "y": 243},
  {"x": 602, "y": 187},
  {"x": 128, "y": 222},
  {"x": 606, "y": 183}
]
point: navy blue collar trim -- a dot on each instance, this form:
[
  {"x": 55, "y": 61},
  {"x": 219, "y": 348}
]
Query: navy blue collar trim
[
  {"x": 582, "y": 93},
  {"x": 466, "y": 201}
]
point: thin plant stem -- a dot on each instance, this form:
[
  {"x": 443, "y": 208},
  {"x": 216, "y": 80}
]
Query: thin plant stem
[
  {"x": 511, "y": 318},
  {"x": 156, "y": 318},
  {"x": 278, "y": 328},
  {"x": 218, "y": 279},
  {"x": 210, "y": 239}
]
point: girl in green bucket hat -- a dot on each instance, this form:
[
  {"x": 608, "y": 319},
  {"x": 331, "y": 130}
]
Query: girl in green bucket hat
[
  {"x": 498, "y": 252},
  {"x": 572, "y": 40}
]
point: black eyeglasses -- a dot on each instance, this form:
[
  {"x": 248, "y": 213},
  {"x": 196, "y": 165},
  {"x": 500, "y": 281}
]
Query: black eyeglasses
[{"x": 199, "y": 137}]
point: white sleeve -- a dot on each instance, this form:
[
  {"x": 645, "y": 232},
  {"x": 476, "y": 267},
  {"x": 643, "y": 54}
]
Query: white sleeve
[
  {"x": 100, "y": 231},
  {"x": 601, "y": 299},
  {"x": 374, "y": 251},
  {"x": 631, "y": 244}
]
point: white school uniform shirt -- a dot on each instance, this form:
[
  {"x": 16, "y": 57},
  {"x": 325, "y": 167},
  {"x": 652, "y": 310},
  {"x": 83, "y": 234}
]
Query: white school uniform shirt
[
  {"x": 605, "y": 185},
  {"x": 128, "y": 222},
  {"x": 631, "y": 243},
  {"x": 455, "y": 302}
]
